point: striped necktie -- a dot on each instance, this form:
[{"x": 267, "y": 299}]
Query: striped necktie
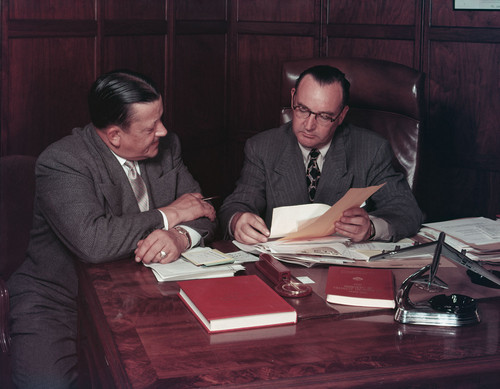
[
  {"x": 138, "y": 186},
  {"x": 312, "y": 174}
]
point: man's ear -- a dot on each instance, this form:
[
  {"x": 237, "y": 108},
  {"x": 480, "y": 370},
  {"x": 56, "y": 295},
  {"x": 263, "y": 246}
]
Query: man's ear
[
  {"x": 292, "y": 93},
  {"x": 343, "y": 114},
  {"x": 113, "y": 135}
]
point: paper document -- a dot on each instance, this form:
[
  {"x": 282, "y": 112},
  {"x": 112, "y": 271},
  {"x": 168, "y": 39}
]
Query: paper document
[
  {"x": 332, "y": 249},
  {"x": 476, "y": 237},
  {"x": 472, "y": 253},
  {"x": 371, "y": 248},
  {"x": 329, "y": 250},
  {"x": 184, "y": 270},
  {"x": 206, "y": 256},
  {"x": 241, "y": 256},
  {"x": 478, "y": 232},
  {"x": 324, "y": 224},
  {"x": 290, "y": 219}
]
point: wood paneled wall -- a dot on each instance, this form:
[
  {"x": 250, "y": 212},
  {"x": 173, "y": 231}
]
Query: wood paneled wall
[{"x": 218, "y": 63}]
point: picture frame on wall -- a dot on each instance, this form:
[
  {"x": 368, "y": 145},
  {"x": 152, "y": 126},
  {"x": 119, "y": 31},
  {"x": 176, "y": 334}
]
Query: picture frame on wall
[{"x": 483, "y": 5}]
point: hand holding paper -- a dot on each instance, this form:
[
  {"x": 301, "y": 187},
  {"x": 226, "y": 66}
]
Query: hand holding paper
[
  {"x": 355, "y": 224},
  {"x": 324, "y": 224}
]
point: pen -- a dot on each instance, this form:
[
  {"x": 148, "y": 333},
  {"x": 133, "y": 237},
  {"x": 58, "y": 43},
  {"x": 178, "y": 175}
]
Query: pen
[{"x": 210, "y": 198}]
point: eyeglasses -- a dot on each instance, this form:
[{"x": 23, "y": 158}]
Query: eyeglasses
[{"x": 323, "y": 119}]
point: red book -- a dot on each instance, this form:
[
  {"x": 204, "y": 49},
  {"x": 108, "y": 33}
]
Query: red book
[
  {"x": 231, "y": 303},
  {"x": 360, "y": 286}
]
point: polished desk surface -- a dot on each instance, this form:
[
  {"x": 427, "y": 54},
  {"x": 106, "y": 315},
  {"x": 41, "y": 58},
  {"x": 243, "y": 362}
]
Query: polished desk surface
[{"x": 142, "y": 336}]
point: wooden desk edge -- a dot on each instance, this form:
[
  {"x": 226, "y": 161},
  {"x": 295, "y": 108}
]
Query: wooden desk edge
[{"x": 88, "y": 298}]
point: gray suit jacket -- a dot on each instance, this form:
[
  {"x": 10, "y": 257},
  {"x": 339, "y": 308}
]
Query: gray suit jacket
[
  {"x": 273, "y": 175},
  {"x": 85, "y": 208}
]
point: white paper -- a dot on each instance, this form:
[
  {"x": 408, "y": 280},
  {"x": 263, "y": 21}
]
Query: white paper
[
  {"x": 289, "y": 219},
  {"x": 206, "y": 256},
  {"x": 241, "y": 256},
  {"x": 185, "y": 270},
  {"x": 474, "y": 231}
]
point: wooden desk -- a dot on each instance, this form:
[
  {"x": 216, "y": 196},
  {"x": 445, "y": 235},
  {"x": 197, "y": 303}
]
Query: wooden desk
[{"x": 138, "y": 334}]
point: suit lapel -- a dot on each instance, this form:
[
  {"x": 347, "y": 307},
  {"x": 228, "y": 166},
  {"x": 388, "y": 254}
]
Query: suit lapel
[
  {"x": 335, "y": 179},
  {"x": 290, "y": 173},
  {"x": 153, "y": 172},
  {"x": 160, "y": 173}
]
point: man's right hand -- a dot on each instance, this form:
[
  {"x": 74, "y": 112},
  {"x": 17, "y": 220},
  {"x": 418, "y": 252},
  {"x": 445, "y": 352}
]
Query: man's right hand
[
  {"x": 189, "y": 206},
  {"x": 248, "y": 228}
]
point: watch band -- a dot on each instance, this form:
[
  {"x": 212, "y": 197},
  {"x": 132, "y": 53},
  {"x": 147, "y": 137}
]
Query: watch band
[{"x": 183, "y": 231}]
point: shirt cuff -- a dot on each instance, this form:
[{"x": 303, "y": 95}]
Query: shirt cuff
[
  {"x": 229, "y": 232},
  {"x": 382, "y": 229},
  {"x": 165, "y": 220},
  {"x": 193, "y": 234}
]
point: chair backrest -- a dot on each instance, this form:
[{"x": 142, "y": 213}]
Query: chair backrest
[
  {"x": 17, "y": 193},
  {"x": 385, "y": 97}
]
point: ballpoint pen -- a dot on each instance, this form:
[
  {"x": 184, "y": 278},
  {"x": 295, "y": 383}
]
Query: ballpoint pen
[{"x": 210, "y": 198}]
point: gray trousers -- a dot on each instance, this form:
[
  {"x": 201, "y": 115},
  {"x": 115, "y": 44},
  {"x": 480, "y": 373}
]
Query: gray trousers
[{"x": 43, "y": 331}]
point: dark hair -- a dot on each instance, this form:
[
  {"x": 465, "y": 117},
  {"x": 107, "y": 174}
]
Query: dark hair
[
  {"x": 326, "y": 75},
  {"x": 112, "y": 94}
]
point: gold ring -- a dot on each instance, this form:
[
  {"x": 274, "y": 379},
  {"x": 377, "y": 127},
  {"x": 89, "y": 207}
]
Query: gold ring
[{"x": 163, "y": 254}]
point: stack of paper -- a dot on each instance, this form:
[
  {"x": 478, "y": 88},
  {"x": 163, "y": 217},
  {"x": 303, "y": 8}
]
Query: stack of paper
[
  {"x": 478, "y": 236},
  {"x": 185, "y": 270},
  {"x": 326, "y": 250}
]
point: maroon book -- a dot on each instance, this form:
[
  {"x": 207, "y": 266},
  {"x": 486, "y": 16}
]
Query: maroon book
[
  {"x": 231, "y": 303},
  {"x": 360, "y": 286}
]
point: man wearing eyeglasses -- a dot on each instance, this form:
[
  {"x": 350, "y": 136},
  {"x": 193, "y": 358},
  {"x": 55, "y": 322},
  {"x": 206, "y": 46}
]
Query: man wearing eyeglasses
[{"x": 316, "y": 158}]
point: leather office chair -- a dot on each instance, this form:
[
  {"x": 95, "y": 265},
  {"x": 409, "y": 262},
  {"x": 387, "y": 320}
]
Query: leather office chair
[
  {"x": 385, "y": 97},
  {"x": 17, "y": 193}
]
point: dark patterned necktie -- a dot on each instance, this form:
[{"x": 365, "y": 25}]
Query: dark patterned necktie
[
  {"x": 138, "y": 186},
  {"x": 312, "y": 174}
]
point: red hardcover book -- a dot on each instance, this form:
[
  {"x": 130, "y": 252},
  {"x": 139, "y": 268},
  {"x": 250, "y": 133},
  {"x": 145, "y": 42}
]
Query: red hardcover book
[
  {"x": 231, "y": 303},
  {"x": 360, "y": 286}
]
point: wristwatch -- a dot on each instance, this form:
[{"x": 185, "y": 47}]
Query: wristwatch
[{"x": 183, "y": 231}]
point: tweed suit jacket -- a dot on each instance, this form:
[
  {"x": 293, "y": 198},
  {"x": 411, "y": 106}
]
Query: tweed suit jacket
[
  {"x": 85, "y": 208},
  {"x": 273, "y": 175}
]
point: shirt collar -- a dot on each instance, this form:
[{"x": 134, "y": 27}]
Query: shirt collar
[
  {"x": 306, "y": 150},
  {"x": 121, "y": 160}
]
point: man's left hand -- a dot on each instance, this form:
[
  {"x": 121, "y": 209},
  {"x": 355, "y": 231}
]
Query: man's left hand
[
  {"x": 160, "y": 247},
  {"x": 354, "y": 224}
]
